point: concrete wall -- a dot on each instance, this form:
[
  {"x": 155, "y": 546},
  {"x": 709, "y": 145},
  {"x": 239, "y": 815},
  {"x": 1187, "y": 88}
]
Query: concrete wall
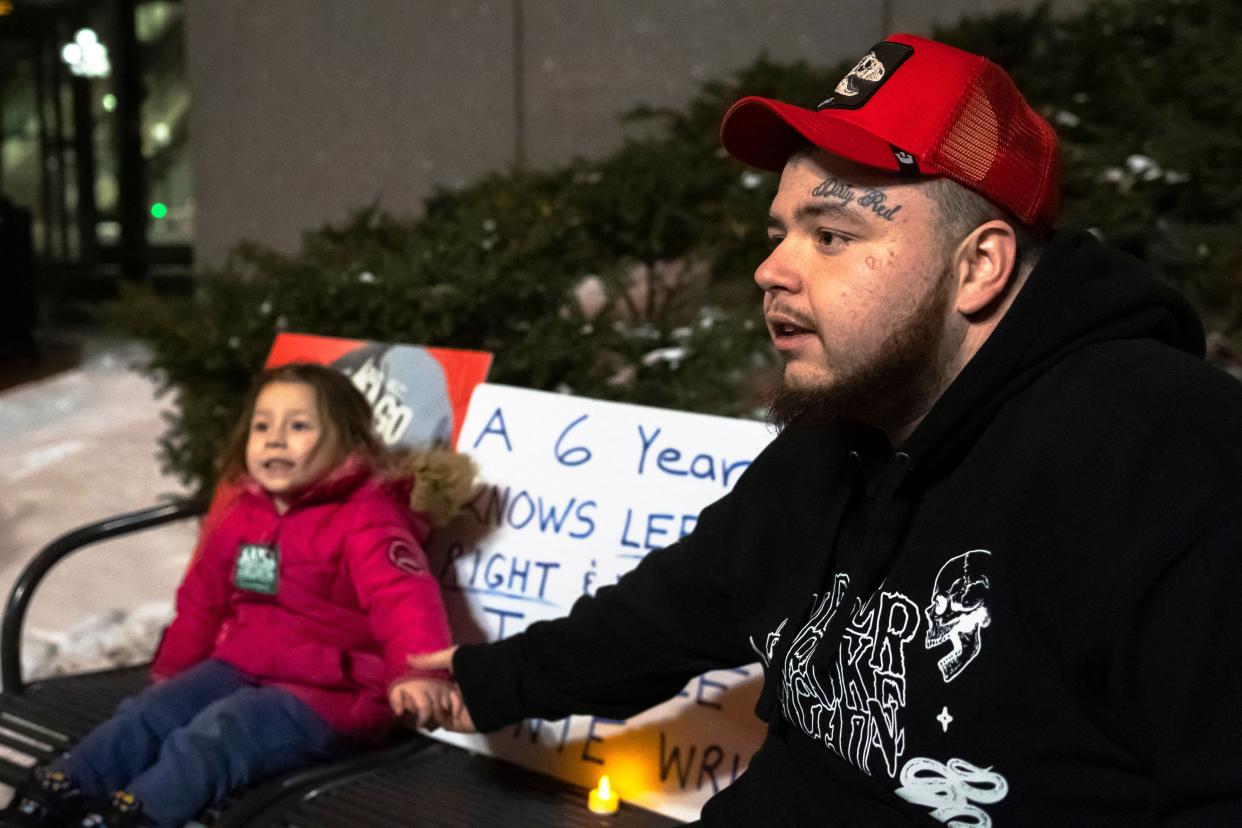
[{"x": 303, "y": 109}]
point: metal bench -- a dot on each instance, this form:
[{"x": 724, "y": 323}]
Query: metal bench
[{"x": 410, "y": 780}]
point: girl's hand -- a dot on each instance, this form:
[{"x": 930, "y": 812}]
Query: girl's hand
[
  {"x": 429, "y": 701},
  {"x": 456, "y": 717}
]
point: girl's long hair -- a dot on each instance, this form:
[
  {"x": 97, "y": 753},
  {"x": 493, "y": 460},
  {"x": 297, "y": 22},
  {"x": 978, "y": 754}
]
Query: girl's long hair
[{"x": 343, "y": 410}]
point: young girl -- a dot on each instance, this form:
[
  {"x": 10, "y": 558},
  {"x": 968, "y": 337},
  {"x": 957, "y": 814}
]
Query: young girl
[{"x": 292, "y": 628}]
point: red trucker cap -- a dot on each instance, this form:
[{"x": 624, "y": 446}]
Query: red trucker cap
[{"x": 918, "y": 107}]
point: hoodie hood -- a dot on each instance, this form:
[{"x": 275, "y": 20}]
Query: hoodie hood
[{"x": 1080, "y": 293}]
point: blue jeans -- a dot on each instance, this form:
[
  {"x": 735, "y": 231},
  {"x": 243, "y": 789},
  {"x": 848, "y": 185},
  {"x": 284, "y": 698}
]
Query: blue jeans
[{"x": 184, "y": 743}]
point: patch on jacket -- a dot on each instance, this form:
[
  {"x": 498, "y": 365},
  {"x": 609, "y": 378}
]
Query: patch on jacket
[
  {"x": 257, "y": 568},
  {"x": 406, "y": 558}
]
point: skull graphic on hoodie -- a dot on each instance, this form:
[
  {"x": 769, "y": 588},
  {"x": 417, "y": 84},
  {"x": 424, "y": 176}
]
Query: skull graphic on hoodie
[{"x": 958, "y": 611}]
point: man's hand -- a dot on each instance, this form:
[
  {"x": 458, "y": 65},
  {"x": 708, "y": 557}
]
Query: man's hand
[
  {"x": 454, "y": 715},
  {"x": 430, "y": 662}
]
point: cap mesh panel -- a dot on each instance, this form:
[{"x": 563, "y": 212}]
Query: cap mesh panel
[
  {"x": 999, "y": 147},
  {"x": 972, "y": 142}
]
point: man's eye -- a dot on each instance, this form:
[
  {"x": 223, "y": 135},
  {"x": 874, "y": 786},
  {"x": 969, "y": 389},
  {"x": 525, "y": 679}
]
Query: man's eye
[
  {"x": 774, "y": 241},
  {"x": 827, "y": 238}
]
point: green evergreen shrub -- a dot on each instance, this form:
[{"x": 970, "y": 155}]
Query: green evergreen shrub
[{"x": 1146, "y": 94}]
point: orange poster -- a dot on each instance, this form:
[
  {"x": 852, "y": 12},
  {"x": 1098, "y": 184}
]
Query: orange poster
[{"x": 419, "y": 395}]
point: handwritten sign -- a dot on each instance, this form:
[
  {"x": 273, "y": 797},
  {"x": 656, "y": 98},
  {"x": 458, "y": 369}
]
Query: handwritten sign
[{"x": 574, "y": 493}]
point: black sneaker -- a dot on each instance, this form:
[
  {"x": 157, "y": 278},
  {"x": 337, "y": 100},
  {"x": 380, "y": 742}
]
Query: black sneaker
[
  {"x": 47, "y": 798},
  {"x": 122, "y": 812}
]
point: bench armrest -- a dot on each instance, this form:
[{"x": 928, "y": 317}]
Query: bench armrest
[{"x": 32, "y": 574}]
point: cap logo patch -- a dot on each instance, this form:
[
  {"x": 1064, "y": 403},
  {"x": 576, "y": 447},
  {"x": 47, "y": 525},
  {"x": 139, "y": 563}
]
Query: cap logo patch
[
  {"x": 868, "y": 75},
  {"x": 867, "y": 69}
]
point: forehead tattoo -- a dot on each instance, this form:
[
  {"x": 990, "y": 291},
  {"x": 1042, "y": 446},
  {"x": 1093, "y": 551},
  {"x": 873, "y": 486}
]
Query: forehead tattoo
[{"x": 872, "y": 199}]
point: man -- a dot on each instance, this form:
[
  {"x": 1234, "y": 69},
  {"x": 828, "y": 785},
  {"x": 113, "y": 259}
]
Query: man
[{"x": 990, "y": 563}]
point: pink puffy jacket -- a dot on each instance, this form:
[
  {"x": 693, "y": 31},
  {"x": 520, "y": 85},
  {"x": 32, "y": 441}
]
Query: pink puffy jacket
[{"x": 351, "y": 597}]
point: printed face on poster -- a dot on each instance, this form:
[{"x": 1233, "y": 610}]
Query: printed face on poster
[{"x": 573, "y": 493}]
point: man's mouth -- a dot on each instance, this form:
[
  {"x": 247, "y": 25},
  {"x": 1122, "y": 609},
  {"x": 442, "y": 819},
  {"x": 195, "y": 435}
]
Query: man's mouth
[
  {"x": 786, "y": 332},
  {"x": 787, "y": 329}
]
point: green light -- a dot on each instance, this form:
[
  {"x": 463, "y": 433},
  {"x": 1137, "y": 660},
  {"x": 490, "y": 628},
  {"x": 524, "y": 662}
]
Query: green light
[{"x": 158, "y": 210}]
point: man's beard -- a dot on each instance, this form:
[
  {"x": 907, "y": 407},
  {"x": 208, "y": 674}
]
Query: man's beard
[{"x": 905, "y": 374}]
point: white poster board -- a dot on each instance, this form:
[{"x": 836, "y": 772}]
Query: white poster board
[{"x": 574, "y": 493}]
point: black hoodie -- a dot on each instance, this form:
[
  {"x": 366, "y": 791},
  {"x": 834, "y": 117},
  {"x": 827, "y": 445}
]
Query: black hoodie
[{"x": 1026, "y": 614}]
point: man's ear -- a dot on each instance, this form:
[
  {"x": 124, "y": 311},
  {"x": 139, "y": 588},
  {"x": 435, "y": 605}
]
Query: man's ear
[{"x": 984, "y": 263}]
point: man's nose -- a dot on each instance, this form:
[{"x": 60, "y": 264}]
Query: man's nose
[{"x": 775, "y": 273}]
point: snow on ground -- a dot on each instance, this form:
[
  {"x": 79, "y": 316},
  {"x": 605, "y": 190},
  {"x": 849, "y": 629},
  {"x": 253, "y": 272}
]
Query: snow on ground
[{"x": 75, "y": 448}]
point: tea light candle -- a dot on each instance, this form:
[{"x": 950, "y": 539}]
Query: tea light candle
[{"x": 603, "y": 800}]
